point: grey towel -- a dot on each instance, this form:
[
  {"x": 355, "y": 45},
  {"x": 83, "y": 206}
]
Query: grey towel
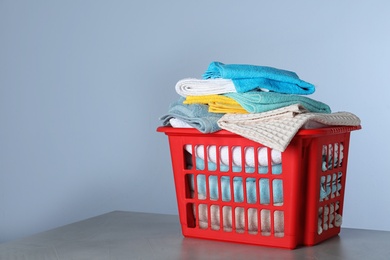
[{"x": 196, "y": 115}]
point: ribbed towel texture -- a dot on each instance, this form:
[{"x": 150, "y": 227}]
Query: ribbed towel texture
[
  {"x": 276, "y": 128},
  {"x": 250, "y": 77}
]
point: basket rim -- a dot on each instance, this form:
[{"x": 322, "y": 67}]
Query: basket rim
[{"x": 302, "y": 132}]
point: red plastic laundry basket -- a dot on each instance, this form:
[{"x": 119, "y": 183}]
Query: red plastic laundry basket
[{"x": 230, "y": 188}]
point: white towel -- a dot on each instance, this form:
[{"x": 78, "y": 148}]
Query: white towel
[
  {"x": 330, "y": 156},
  {"x": 262, "y": 155},
  {"x": 240, "y": 218},
  {"x": 177, "y": 123},
  {"x": 276, "y": 128},
  {"x": 199, "y": 87},
  {"x": 328, "y": 217}
]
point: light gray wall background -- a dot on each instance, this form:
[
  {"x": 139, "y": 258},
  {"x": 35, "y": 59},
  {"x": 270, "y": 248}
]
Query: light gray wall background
[{"x": 83, "y": 83}]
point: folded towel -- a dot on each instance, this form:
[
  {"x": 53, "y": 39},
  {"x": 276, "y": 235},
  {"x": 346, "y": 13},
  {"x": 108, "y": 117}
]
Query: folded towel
[
  {"x": 238, "y": 222},
  {"x": 196, "y": 115},
  {"x": 198, "y": 87},
  {"x": 217, "y": 103},
  {"x": 176, "y": 122},
  {"x": 255, "y": 102},
  {"x": 276, "y": 128},
  {"x": 330, "y": 186},
  {"x": 328, "y": 217},
  {"x": 236, "y": 153},
  {"x": 239, "y": 194},
  {"x": 327, "y": 186},
  {"x": 249, "y": 77},
  {"x": 259, "y": 101},
  {"x": 330, "y": 158}
]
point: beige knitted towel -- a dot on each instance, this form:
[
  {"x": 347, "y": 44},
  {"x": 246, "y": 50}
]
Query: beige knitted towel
[{"x": 277, "y": 127}]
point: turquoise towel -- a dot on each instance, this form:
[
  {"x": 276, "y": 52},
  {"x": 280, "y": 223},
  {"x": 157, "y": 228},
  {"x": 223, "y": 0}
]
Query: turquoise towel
[
  {"x": 238, "y": 192},
  {"x": 196, "y": 115},
  {"x": 250, "y": 77},
  {"x": 326, "y": 187},
  {"x": 259, "y": 101},
  {"x": 330, "y": 186}
]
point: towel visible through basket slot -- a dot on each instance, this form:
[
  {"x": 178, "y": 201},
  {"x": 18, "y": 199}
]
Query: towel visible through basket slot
[
  {"x": 237, "y": 189},
  {"x": 254, "y": 188}
]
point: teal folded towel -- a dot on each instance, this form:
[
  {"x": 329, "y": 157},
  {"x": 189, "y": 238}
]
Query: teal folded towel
[
  {"x": 251, "y": 195},
  {"x": 196, "y": 115},
  {"x": 250, "y": 77},
  {"x": 239, "y": 193},
  {"x": 260, "y": 101}
]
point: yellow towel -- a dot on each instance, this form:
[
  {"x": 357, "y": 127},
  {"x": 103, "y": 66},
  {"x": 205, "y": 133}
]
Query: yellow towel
[{"x": 217, "y": 103}]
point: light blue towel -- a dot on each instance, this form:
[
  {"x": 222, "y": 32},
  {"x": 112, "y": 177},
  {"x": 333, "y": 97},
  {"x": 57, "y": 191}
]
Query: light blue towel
[
  {"x": 330, "y": 186},
  {"x": 259, "y": 101},
  {"x": 326, "y": 188},
  {"x": 251, "y": 187},
  {"x": 238, "y": 189},
  {"x": 249, "y": 77},
  {"x": 196, "y": 115}
]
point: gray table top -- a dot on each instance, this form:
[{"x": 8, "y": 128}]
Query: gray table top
[{"x": 131, "y": 235}]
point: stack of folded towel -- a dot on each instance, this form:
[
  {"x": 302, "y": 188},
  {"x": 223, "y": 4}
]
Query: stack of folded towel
[{"x": 264, "y": 104}]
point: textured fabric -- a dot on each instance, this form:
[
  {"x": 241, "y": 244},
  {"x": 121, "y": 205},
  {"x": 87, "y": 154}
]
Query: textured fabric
[
  {"x": 200, "y": 87},
  {"x": 249, "y": 77},
  {"x": 260, "y": 101},
  {"x": 276, "y": 128},
  {"x": 195, "y": 115},
  {"x": 217, "y": 103}
]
